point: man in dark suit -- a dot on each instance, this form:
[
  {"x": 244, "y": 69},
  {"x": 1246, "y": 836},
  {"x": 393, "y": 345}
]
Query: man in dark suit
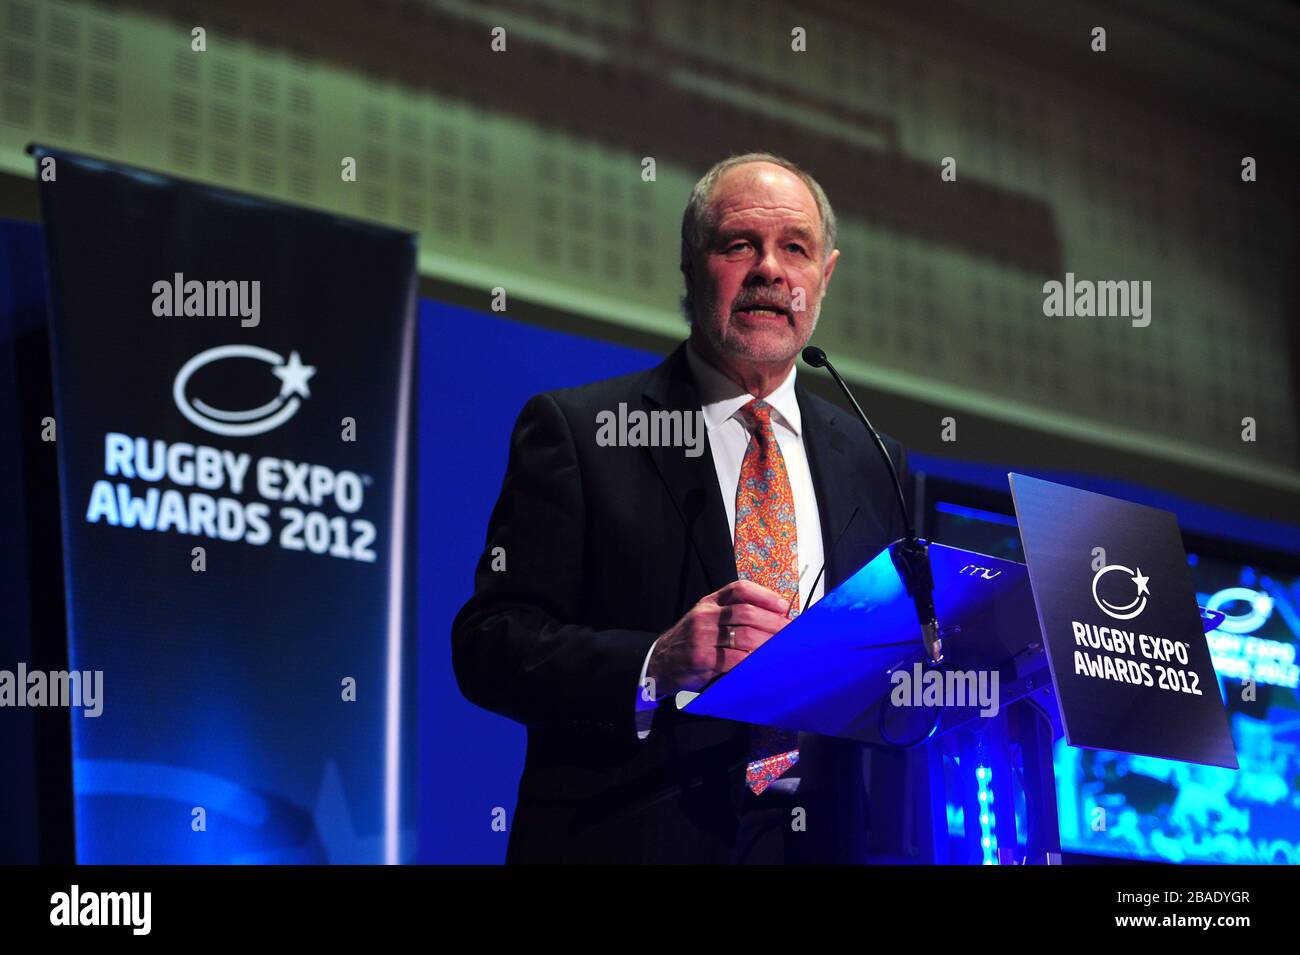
[{"x": 634, "y": 571}]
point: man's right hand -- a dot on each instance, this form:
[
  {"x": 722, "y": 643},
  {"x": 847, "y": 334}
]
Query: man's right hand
[{"x": 695, "y": 649}]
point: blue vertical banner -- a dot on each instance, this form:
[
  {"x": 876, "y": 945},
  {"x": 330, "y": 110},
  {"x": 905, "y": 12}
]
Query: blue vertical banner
[{"x": 233, "y": 391}]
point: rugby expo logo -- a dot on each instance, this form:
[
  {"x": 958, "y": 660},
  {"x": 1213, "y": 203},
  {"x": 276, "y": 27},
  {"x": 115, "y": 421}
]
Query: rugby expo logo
[
  {"x": 184, "y": 487},
  {"x": 242, "y": 422},
  {"x": 1131, "y": 609}
]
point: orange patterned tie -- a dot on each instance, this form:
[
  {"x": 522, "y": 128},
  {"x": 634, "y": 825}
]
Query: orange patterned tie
[{"x": 767, "y": 552}]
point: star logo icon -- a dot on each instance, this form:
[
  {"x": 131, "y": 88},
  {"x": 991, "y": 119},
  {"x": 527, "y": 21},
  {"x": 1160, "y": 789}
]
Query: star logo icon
[
  {"x": 294, "y": 374},
  {"x": 1141, "y": 583},
  {"x": 1125, "y": 611}
]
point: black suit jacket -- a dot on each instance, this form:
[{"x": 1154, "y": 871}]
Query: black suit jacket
[{"x": 606, "y": 548}]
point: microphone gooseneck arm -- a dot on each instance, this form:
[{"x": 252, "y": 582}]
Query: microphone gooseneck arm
[
  {"x": 817, "y": 358},
  {"x": 911, "y": 555}
]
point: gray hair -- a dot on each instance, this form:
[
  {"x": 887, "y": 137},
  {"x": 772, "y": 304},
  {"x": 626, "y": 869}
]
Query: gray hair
[{"x": 698, "y": 216}]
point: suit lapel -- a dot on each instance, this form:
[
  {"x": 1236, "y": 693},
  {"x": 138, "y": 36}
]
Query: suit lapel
[
  {"x": 835, "y": 485},
  {"x": 692, "y": 482}
]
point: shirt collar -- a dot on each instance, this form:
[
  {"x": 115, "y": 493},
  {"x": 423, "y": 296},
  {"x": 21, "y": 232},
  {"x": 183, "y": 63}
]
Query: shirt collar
[{"x": 721, "y": 398}]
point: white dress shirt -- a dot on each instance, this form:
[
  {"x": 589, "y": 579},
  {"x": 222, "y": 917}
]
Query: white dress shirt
[{"x": 721, "y": 398}]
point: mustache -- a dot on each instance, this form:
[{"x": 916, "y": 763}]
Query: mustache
[{"x": 762, "y": 299}]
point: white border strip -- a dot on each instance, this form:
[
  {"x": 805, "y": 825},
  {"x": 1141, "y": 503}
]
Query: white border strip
[{"x": 396, "y": 587}]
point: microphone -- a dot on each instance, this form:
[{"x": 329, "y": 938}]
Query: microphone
[
  {"x": 911, "y": 555},
  {"x": 815, "y": 357}
]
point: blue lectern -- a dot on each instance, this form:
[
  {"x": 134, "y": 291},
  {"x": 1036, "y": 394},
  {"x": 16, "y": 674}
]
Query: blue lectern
[{"x": 1097, "y": 638}]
